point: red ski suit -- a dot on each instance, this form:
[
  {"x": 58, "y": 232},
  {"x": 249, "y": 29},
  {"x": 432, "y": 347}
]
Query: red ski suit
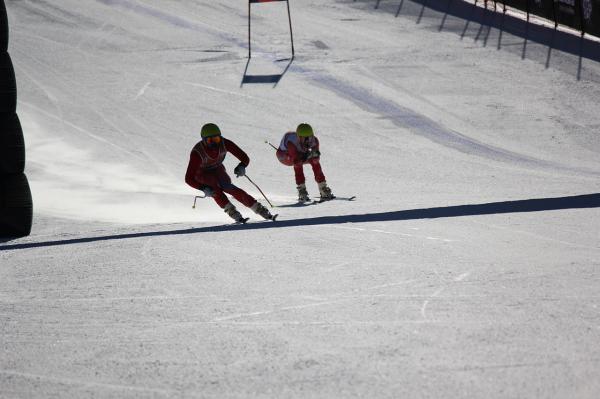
[
  {"x": 206, "y": 169},
  {"x": 292, "y": 152}
]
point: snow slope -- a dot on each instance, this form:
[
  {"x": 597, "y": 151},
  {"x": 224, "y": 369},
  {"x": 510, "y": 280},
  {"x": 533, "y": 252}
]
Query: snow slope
[{"x": 468, "y": 266}]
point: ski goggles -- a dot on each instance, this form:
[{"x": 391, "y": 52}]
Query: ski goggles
[{"x": 212, "y": 140}]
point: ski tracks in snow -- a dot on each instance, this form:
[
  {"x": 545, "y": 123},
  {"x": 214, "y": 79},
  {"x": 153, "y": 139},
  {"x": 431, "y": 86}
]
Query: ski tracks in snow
[
  {"x": 59, "y": 115},
  {"x": 142, "y": 90},
  {"x": 280, "y": 309},
  {"x": 437, "y": 292},
  {"x": 426, "y": 302},
  {"x": 423, "y": 126},
  {"x": 174, "y": 20},
  {"x": 430, "y": 238},
  {"x": 365, "y": 98},
  {"x": 89, "y": 384},
  {"x": 351, "y": 296}
]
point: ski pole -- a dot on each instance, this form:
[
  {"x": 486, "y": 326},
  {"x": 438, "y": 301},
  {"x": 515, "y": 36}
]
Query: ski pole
[
  {"x": 267, "y": 142},
  {"x": 263, "y": 194},
  {"x": 195, "y": 198}
]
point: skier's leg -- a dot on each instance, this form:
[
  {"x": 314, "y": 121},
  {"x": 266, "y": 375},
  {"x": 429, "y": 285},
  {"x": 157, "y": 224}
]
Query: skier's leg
[
  {"x": 233, "y": 213},
  {"x": 324, "y": 190},
  {"x": 211, "y": 179},
  {"x": 317, "y": 170},
  {"x": 240, "y": 195},
  {"x": 220, "y": 197},
  {"x": 243, "y": 196},
  {"x": 248, "y": 201},
  {"x": 261, "y": 210},
  {"x": 300, "y": 182},
  {"x": 230, "y": 188},
  {"x": 299, "y": 173}
]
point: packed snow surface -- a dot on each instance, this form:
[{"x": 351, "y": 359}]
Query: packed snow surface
[{"x": 468, "y": 266}]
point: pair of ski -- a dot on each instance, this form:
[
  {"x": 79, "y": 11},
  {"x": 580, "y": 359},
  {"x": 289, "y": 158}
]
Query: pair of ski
[
  {"x": 317, "y": 201},
  {"x": 245, "y": 220},
  {"x": 303, "y": 203},
  {"x": 321, "y": 200}
]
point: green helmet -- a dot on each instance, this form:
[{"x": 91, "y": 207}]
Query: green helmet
[
  {"x": 304, "y": 130},
  {"x": 210, "y": 129}
]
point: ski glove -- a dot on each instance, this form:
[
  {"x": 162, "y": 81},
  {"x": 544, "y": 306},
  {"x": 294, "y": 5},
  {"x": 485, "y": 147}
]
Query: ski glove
[
  {"x": 240, "y": 170},
  {"x": 208, "y": 191},
  {"x": 313, "y": 154}
]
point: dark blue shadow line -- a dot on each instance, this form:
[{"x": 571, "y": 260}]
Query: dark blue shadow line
[{"x": 520, "y": 206}]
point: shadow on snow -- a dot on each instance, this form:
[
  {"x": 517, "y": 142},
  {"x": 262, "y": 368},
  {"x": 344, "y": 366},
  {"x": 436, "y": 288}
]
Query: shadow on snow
[
  {"x": 478, "y": 22},
  {"x": 274, "y": 79},
  {"x": 520, "y": 206}
]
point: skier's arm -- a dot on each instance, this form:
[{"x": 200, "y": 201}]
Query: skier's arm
[
  {"x": 313, "y": 151},
  {"x": 237, "y": 152},
  {"x": 192, "y": 171},
  {"x": 316, "y": 146}
]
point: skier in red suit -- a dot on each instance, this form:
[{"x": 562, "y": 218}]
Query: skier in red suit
[
  {"x": 206, "y": 172},
  {"x": 298, "y": 149}
]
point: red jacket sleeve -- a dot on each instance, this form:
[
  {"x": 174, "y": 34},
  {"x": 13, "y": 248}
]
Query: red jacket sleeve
[
  {"x": 192, "y": 170},
  {"x": 237, "y": 152},
  {"x": 316, "y": 147}
]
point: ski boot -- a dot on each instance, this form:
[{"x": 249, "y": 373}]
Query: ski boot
[
  {"x": 259, "y": 209},
  {"x": 325, "y": 191},
  {"x": 302, "y": 193},
  {"x": 234, "y": 213}
]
